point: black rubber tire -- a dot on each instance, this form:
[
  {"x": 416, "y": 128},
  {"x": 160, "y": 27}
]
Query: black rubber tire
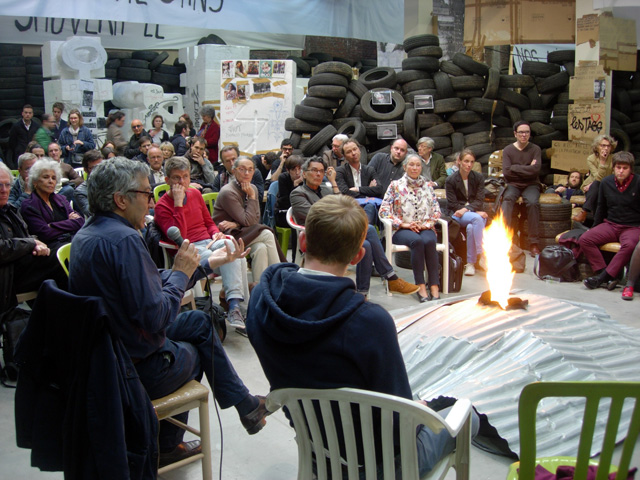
[
  {"x": 515, "y": 99},
  {"x": 349, "y": 61},
  {"x": 477, "y": 138},
  {"x": 170, "y": 69},
  {"x": 339, "y": 122},
  {"x": 33, "y": 60},
  {"x": 334, "y": 67},
  {"x": 553, "y": 82},
  {"x": 622, "y": 101},
  {"x": 514, "y": 115},
  {"x": 561, "y": 109},
  {"x": 441, "y": 142},
  {"x": 13, "y": 93},
  {"x": 321, "y": 56},
  {"x": 420, "y": 41},
  {"x": 440, "y": 130},
  {"x": 493, "y": 84},
  {"x": 624, "y": 142},
  {"x": 313, "y": 114},
  {"x": 418, "y": 85},
  {"x": 549, "y": 228},
  {"x": 560, "y": 123},
  {"x": 563, "y": 97},
  {"x": 295, "y": 125},
  {"x": 34, "y": 69},
  {"x": 426, "y": 51},
  {"x": 469, "y": 65},
  {"x": 428, "y": 120},
  {"x": 443, "y": 85},
  {"x": 372, "y": 127},
  {"x": 546, "y": 141},
  {"x": 379, "y": 77},
  {"x": 111, "y": 73},
  {"x": 451, "y": 68},
  {"x": 539, "y": 128},
  {"x": 34, "y": 79},
  {"x": 501, "y": 121},
  {"x": 327, "y": 91},
  {"x": 548, "y": 99},
  {"x": 165, "y": 79},
  {"x": 369, "y": 112},
  {"x": 570, "y": 67},
  {"x": 319, "y": 140},
  {"x": 500, "y": 143},
  {"x": 328, "y": 79},
  {"x": 302, "y": 67},
  {"x": 409, "y": 97},
  {"x": 551, "y": 212},
  {"x": 467, "y": 94},
  {"x": 406, "y": 76},
  {"x": 10, "y": 49},
  {"x": 516, "y": 81},
  {"x": 295, "y": 138},
  {"x": 618, "y": 116},
  {"x": 481, "y": 126},
  {"x": 17, "y": 61},
  {"x": 561, "y": 56},
  {"x": 111, "y": 54},
  {"x": 632, "y": 129},
  {"x": 113, "y": 63},
  {"x": 481, "y": 149},
  {"x": 467, "y": 82},
  {"x": 35, "y": 90},
  {"x": 15, "y": 103},
  {"x": 310, "y": 61},
  {"x": 411, "y": 127},
  {"x": 354, "y": 129},
  {"x": 134, "y": 63},
  {"x": 156, "y": 62},
  {"x": 503, "y": 132},
  {"x": 358, "y": 88},
  {"x": 444, "y": 152},
  {"x": 13, "y": 72},
  {"x": 486, "y": 106},
  {"x": 447, "y": 105},
  {"x": 539, "y": 69},
  {"x": 464, "y": 116},
  {"x": 543, "y": 116},
  {"x": 347, "y": 105},
  {"x": 457, "y": 141},
  {"x": 318, "y": 102},
  {"x": 146, "y": 55},
  {"x": 427, "y": 64},
  {"x": 534, "y": 98},
  {"x": 357, "y": 112}
]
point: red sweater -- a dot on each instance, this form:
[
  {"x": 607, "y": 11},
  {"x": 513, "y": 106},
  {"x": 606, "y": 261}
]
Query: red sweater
[{"x": 193, "y": 219}]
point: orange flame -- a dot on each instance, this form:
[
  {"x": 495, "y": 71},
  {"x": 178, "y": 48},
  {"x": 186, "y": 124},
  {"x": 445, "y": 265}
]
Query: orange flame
[{"x": 496, "y": 244}]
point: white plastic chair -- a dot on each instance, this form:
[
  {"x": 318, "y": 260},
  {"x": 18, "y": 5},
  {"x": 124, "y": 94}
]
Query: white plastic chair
[
  {"x": 300, "y": 403},
  {"x": 298, "y": 228},
  {"x": 443, "y": 247}
]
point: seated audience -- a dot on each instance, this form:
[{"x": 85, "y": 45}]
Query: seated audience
[
  {"x": 143, "y": 146},
  {"x": 70, "y": 178},
  {"x": 20, "y": 189},
  {"x": 228, "y": 156},
  {"x": 237, "y": 213},
  {"x": 411, "y": 205},
  {"x": 335, "y": 156},
  {"x": 617, "y": 219},
  {"x": 465, "y": 199},
  {"x": 157, "y": 133},
  {"x": 203, "y": 176},
  {"x": 572, "y": 187},
  {"x": 115, "y": 122},
  {"x": 179, "y": 138},
  {"x": 132, "y": 149},
  {"x": 433, "y": 167},
  {"x": 49, "y": 215},
  {"x": 326, "y": 334},
  {"x": 90, "y": 160},
  {"x": 167, "y": 150},
  {"x": 155, "y": 159}
]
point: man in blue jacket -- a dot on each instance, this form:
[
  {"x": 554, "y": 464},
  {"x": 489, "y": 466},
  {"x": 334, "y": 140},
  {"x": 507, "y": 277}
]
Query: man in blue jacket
[{"x": 311, "y": 329}]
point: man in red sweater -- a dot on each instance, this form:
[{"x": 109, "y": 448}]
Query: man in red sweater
[{"x": 184, "y": 208}]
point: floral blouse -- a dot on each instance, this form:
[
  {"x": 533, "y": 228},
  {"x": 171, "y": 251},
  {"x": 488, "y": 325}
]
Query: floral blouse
[{"x": 409, "y": 200}]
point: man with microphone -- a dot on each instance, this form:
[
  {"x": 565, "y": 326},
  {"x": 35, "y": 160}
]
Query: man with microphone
[
  {"x": 184, "y": 208},
  {"x": 109, "y": 259}
]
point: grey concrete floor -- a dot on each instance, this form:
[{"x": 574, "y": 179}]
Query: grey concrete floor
[{"x": 272, "y": 453}]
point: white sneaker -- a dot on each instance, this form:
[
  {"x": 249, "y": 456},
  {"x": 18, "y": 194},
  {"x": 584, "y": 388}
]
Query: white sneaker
[
  {"x": 469, "y": 270},
  {"x": 235, "y": 318}
]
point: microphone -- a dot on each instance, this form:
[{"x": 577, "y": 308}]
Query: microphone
[{"x": 174, "y": 234}]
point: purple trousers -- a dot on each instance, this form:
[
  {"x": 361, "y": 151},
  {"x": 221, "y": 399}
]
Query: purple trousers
[{"x": 606, "y": 232}]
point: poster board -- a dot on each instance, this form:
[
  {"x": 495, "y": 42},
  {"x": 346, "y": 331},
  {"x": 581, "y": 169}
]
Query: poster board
[
  {"x": 256, "y": 96},
  {"x": 582, "y": 85},
  {"x": 586, "y": 121},
  {"x": 568, "y": 156},
  {"x": 618, "y": 49}
]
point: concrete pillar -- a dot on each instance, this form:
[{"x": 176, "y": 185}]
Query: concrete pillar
[{"x": 418, "y": 18}]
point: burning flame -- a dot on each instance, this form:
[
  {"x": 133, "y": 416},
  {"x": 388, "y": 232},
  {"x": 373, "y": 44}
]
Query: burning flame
[{"x": 496, "y": 244}]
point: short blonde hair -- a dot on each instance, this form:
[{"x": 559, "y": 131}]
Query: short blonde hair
[{"x": 335, "y": 229}]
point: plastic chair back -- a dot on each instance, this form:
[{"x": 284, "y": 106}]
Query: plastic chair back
[
  {"x": 407, "y": 415},
  {"x": 163, "y": 187},
  {"x": 63, "y": 254},
  {"x": 596, "y": 394},
  {"x": 209, "y": 199}
]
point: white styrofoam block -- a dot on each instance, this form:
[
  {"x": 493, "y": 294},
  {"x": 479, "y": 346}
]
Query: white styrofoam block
[
  {"x": 75, "y": 58},
  {"x": 134, "y": 94}
]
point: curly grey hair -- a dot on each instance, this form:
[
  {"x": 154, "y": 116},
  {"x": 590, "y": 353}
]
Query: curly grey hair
[
  {"x": 409, "y": 157},
  {"x": 45, "y": 164},
  {"x": 208, "y": 110},
  {"x": 118, "y": 174}
]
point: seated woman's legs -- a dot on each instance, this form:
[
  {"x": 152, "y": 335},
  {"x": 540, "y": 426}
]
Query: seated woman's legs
[
  {"x": 264, "y": 252},
  {"x": 474, "y": 225},
  {"x": 423, "y": 249},
  {"x": 429, "y": 240}
]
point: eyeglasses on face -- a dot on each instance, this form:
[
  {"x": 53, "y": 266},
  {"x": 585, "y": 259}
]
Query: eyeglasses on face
[
  {"x": 148, "y": 193},
  {"x": 136, "y": 126},
  {"x": 245, "y": 170},
  {"x": 316, "y": 170},
  {"x": 524, "y": 132}
]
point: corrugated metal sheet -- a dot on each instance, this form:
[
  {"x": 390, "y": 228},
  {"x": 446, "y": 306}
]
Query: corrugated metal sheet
[{"x": 488, "y": 355}]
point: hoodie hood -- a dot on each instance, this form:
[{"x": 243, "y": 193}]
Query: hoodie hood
[{"x": 293, "y": 308}]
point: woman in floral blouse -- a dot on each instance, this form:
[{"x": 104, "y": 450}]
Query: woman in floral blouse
[{"x": 411, "y": 205}]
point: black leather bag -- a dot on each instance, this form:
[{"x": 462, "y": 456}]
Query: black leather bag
[{"x": 557, "y": 263}]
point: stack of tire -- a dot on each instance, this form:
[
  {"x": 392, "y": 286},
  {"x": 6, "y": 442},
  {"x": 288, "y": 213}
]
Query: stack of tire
[
  {"x": 34, "y": 84},
  {"x": 144, "y": 66},
  {"x": 625, "y": 112},
  {"x": 555, "y": 218},
  {"x": 306, "y": 64},
  {"x": 13, "y": 91}
]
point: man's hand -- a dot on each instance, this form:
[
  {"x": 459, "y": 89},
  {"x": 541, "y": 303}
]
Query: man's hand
[
  {"x": 227, "y": 225},
  {"x": 248, "y": 189},
  {"x": 187, "y": 259},
  {"x": 354, "y": 189},
  {"x": 233, "y": 250},
  {"x": 483, "y": 215},
  {"x": 560, "y": 189},
  {"x": 197, "y": 157},
  {"x": 195, "y": 185},
  {"x": 534, "y": 161},
  {"x": 297, "y": 181},
  {"x": 41, "y": 249},
  {"x": 331, "y": 175},
  {"x": 178, "y": 193},
  {"x": 460, "y": 213},
  {"x": 373, "y": 183}
]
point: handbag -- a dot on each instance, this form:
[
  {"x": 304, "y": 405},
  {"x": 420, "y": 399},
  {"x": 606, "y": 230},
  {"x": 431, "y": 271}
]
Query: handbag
[{"x": 556, "y": 262}]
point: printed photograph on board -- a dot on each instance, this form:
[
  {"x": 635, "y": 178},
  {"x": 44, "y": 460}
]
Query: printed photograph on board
[
  {"x": 241, "y": 70},
  {"x": 227, "y": 68},
  {"x": 266, "y": 67},
  {"x": 253, "y": 68},
  {"x": 279, "y": 68}
]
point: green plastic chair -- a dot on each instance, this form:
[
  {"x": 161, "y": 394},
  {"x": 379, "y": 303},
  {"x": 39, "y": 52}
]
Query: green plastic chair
[
  {"x": 593, "y": 393},
  {"x": 210, "y": 199},
  {"x": 63, "y": 257},
  {"x": 158, "y": 190},
  {"x": 15, "y": 173}
]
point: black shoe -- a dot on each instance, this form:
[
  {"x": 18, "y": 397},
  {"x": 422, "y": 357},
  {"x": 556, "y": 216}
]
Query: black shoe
[
  {"x": 182, "y": 451},
  {"x": 592, "y": 282},
  {"x": 424, "y": 299},
  {"x": 255, "y": 420},
  {"x": 612, "y": 284}
]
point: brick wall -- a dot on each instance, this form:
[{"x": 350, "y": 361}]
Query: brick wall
[{"x": 341, "y": 47}]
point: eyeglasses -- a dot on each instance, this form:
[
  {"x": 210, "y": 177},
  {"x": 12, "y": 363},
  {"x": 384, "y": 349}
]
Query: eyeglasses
[
  {"x": 605, "y": 145},
  {"x": 6, "y": 185},
  {"x": 287, "y": 149},
  {"x": 136, "y": 126},
  {"x": 315, "y": 170},
  {"x": 148, "y": 193},
  {"x": 245, "y": 170},
  {"x": 526, "y": 132}
]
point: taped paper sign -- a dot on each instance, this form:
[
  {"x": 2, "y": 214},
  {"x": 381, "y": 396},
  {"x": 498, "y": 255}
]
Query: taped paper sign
[
  {"x": 568, "y": 156},
  {"x": 586, "y": 120},
  {"x": 618, "y": 49},
  {"x": 582, "y": 85}
]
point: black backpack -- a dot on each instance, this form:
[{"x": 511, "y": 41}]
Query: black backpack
[{"x": 557, "y": 263}]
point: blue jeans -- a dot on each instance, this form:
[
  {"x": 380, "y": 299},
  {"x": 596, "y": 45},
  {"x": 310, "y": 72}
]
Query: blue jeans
[
  {"x": 474, "y": 224},
  {"x": 372, "y": 213},
  {"x": 423, "y": 249},
  {"x": 67, "y": 191},
  {"x": 231, "y": 272},
  {"x": 192, "y": 347},
  {"x": 374, "y": 255}
]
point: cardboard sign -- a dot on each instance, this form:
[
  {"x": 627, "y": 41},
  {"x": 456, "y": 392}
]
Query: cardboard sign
[
  {"x": 567, "y": 156},
  {"x": 582, "y": 85},
  {"x": 618, "y": 48},
  {"x": 586, "y": 120},
  {"x": 588, "y": 29}
]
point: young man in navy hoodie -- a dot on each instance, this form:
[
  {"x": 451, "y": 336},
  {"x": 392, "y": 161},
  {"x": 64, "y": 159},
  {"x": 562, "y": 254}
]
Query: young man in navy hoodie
[{"x": 311, "y": 329}]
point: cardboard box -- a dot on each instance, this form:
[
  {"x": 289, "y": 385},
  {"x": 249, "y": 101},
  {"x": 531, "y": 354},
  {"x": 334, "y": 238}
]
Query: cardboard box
[
  {"x": 502, "y": 22},
  {"x": 581, "y": 86}
]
